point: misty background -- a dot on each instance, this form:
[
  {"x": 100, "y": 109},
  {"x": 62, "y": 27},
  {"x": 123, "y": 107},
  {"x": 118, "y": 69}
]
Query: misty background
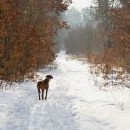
[{"x": 83, "y": 35}]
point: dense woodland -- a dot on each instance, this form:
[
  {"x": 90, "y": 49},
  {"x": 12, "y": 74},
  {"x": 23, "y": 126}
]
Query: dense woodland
[
  {"x": 114, "y": 18},
  {"x": 27, "y": 30}
]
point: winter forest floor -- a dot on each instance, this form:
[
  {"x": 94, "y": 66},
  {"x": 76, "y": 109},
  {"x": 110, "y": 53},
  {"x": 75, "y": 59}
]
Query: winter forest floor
[{"x": 74, "y": 102}]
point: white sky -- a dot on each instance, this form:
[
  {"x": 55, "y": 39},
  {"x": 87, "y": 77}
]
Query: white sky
[{"x": 80, "y": 4}]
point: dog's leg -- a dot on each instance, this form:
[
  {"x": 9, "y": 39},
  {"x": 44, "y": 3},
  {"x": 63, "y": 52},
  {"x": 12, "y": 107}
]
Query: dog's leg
[
  {"x": 42, "y": 94},
  {"x": 39, "y": 94},
  {"x": 46, "y": 94}
]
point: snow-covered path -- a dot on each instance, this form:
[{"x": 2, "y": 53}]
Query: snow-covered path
[
  {"x": 74, "y": 103},
  {"x": 56, "y": 113}
]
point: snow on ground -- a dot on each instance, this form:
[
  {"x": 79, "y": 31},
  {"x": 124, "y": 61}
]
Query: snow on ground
[{"x": 74, "y": 103}]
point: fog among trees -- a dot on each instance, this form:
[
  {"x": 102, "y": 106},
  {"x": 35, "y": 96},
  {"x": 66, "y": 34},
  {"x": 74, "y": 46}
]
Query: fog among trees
[{"x": 83, "y": 36}]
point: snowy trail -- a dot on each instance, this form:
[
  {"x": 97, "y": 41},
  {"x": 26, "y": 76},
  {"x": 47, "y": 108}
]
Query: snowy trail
[
  {"x": 59, "y": 112},
  {"x": 74, "y": 103},
  {"x": 54, "y": 114}
]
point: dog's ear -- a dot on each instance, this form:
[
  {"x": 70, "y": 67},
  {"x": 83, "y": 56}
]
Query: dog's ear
[{"x": 49, "y": 76}]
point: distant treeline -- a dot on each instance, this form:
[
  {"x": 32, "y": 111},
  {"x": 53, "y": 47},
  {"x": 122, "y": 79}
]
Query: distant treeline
[{"x": 84, "y": 35}]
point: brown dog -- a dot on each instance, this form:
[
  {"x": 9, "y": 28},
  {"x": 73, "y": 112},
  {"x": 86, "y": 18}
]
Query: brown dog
[{"x": 43, "y": 85}]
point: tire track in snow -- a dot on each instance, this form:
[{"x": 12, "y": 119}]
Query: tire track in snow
[{"x": 18, "y": 104}]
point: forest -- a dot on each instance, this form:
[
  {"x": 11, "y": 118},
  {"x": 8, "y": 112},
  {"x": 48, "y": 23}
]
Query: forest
[
  {"x": 64, "y": 64},
  {"x": 101, "y": 34},
  {"x": 27, "y": 30},
  {"x": 27, "y": 33},
  {"x": 114, "y": 16}
]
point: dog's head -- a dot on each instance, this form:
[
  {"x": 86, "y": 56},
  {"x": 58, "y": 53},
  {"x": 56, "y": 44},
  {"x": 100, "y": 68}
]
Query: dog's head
[{"x": 49, "y": 76}]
